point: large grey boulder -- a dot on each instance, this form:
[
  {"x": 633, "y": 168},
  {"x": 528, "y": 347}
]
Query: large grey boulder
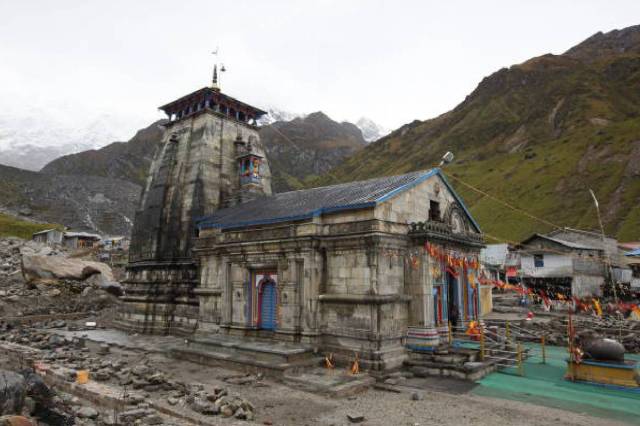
[
  {"x": 12, "y": 392},
  {"x": 47, "y": 269},
  {"x": 102, "y": 282}
]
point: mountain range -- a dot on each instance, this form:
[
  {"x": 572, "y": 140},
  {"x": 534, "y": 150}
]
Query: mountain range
[
  {"x": 98, "y": 189},
  {"x": 302, "y": 148},
  {"x": 307, "y": 147},
  {"x": 530, "y": 142}
]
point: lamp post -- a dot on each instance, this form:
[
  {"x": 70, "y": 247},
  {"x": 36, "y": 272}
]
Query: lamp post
[{"x": 606, "y": 256}]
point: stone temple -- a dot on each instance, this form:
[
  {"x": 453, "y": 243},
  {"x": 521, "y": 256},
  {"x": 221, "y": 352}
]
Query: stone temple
[{"x": 373, "y": 268}]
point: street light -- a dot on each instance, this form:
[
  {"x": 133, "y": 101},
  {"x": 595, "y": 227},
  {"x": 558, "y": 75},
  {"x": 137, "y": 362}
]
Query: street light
[{"x": 446, "y": 158}]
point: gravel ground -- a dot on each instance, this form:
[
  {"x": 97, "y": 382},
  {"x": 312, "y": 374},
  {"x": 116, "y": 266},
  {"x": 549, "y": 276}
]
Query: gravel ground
[
  {"x": 384, "y": 408},
  {"x": 280, "y": 404}
]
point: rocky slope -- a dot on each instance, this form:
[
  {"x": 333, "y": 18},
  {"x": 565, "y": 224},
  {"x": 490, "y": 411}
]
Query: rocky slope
[
  {"x": 538, "y": 135},
  {"x": 121, "y": 160},
  {"x": 307, "y": 147},
  {"x": 84, "y": 202}
]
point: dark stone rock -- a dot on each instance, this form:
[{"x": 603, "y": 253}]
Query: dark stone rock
[
  {"x": 13, "y": 391},
  {"x": 153, "y": 419},
  {"x": 355, "y": 418}
]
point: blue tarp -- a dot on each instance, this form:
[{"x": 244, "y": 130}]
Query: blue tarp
[{"x": 635, "y": 252}]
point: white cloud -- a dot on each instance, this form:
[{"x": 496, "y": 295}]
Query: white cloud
[{"x": 392, "y": 61}]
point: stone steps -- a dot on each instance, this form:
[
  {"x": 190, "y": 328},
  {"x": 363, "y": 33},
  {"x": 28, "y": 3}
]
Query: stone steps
[
  {"x": 273, "y": 359},
  {"x": 452, "y": 362}
]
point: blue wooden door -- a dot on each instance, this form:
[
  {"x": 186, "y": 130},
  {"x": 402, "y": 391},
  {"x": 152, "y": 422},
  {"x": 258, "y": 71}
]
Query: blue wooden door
[{"x": 268, "y": 307}]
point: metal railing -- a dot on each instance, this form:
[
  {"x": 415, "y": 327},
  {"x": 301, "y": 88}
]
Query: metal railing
[{"x": 505, "y": 345}]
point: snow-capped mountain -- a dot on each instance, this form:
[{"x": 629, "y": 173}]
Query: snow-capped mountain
[
  {"x": 371, "y": 131},
  {"x": 275, "y": 114},
  {"x": 31, "y": 139}
]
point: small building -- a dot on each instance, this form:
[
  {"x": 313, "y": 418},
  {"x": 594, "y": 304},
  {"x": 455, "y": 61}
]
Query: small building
[
  {"x": 493, "y": 259},
  {"x": 76, "y": 240},
  {"x": 48, "y": 236},
  {"x": 498, "y": 263},
  {"x": 633, "y": 260},
  {"x": 614, "y": 257},
  {"x": 571, "y": 262},
  {"x": 116, "y": 244}
]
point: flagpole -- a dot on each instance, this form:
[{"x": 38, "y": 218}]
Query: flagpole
[{"x": 606, "y": 256}]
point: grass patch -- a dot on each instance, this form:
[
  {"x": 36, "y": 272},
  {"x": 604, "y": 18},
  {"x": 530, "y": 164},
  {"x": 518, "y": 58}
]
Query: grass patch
[{"x": 11, "y": 226}]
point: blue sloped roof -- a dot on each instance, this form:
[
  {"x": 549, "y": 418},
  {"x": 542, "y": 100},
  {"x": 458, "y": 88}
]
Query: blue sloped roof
[
  {"x": 307, "y": 203},
  {"x": 635, "y": 252}
]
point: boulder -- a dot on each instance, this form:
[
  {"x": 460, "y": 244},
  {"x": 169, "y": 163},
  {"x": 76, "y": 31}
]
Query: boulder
[
  {"x": 47, "y": 269},
  {"x": 87, "y": 413},
  {"x": 13, "y": 391},
  {"x": 102, "y": 282},
  {"x": 15, "y": 421},
  {"x": 37, "y": 389}
]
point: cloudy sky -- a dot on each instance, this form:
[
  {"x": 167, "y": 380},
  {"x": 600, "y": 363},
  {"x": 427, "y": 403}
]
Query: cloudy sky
[{"x": 392, "y": 61}]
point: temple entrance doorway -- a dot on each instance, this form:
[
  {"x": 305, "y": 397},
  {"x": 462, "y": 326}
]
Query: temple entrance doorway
[
  {"x": 453, "y": 309},
  {"x": 267, "y": 300}
]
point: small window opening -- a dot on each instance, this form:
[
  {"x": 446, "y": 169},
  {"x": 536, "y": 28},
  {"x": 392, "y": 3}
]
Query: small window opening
[
  {"x": 538, "y": 260},
  {"x": 434, "y": 211}
]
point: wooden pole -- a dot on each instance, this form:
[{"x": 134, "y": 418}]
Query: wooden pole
[
  {"x": 570, "y": 337},
  {"x": 481, "y": 344},
  {"x": 450, "y": 333},
  {"x": 519, "y": 359},
  {"x": 508, "y": 332}
]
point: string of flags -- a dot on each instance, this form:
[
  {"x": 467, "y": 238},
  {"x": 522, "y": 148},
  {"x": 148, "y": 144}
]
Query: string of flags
[
  {"x": 451, "y": 258},
  {"x": 585, "y": 304}
]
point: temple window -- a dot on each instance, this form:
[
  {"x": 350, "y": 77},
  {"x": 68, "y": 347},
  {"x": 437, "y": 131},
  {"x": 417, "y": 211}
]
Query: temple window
[
  {"x": 249, "y": 166},
  {"x": 434, "y": 211}
]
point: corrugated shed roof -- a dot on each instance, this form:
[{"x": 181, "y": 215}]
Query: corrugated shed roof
[
  {"x": 45, "y": 231},
  {"x": 307, "y": 203},
  {"x": 568, "y": 244},
  {"x": 82, "y": 235}
]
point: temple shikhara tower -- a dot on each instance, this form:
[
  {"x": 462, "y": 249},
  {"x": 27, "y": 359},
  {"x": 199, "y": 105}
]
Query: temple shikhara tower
[
  {"x": 210, "y": 157},
  {"x": 376, "y": 268}
]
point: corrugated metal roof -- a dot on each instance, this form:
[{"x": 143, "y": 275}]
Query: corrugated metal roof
[
  {"x": 45, "y": 231},
  {"x": 82, "y": 235},
  {"x": 304, "y": 204},
  {"x": 568, "y": 244}
]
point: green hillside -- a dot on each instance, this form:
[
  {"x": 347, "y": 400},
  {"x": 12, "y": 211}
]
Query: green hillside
[
  {"x": 537, "y": 135},
  {"x": 11, "y": 226}
]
